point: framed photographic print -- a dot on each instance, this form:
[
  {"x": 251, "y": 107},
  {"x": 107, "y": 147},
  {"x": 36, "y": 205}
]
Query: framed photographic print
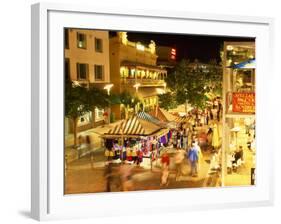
[{"x": 149, "y": 111}]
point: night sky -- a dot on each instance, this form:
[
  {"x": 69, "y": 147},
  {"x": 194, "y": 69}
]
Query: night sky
[{"x": 190, "y": 47}]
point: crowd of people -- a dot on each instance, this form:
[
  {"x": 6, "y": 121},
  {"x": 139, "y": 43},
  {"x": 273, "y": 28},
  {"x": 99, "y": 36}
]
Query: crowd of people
[
  {"x": 119, "y": 179},
  {"x": 186, "y": 161},
  {"x": 183, "y": 139},
  {"x": 185, "y": 156}
]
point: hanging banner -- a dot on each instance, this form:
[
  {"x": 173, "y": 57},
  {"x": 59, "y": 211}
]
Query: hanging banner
[{"x": 243, "y": 102}]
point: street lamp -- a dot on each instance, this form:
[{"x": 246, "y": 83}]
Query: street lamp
[
  {"x": 137, "y": 85},
  {"x": 235, "y": 130},
  {"x": 75, "y": 83},
  {"x": 108, "y": 87}
]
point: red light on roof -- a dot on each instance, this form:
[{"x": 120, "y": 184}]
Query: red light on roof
[{"x": 173, "y": 54}]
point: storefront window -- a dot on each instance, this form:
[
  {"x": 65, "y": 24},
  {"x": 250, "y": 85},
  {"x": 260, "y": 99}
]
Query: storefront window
[
  {"x": 236, "y": 53},
  {"x": 99, "y": 114},
  {"x": 244, "y": 80},
  {"x": 85, "y": 119},
  {"x": 240, "y": 148}
]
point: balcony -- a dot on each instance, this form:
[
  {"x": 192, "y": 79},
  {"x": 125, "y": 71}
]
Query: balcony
[{"x": 143, "y": 82}]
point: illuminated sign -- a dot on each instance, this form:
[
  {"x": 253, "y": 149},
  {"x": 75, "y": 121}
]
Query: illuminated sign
[
  {"x": 243, "y": 102},
  {"x": 173, "y": 54}
]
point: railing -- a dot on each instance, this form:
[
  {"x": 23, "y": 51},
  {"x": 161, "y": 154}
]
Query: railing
[
  {"x": 134, "y": 45},
  {"x": 143, "y": 82}
]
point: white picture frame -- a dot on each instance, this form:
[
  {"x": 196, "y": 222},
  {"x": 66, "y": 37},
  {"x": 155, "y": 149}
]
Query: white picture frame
[{"x": 48, "y": 201}]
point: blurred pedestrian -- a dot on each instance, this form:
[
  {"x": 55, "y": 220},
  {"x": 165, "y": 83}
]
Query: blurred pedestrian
[
  {"x": 108, "y": 176},
  {"x": 125, "y": 172},
  {"x": 238, "y": 158},
  {"x": 211, "y": 114},
  {"x": 140, "y": 157},
  {"x": 249, "y": 141},
  {"x": 193, "y": 158},
  {"x": 123, "y": 154},
  {"x": 80, "y": 145},
  {"x": 181, "y": 138},
  {"x": 179, "y": 142},
  {"x": 165, "y": 160},
  {"x": 134, "y": 155},
  {"x": 88, "y": 142},
  {"x": 174, "y": 139},
  {"x": 165, "y": 176},
  {"x": 199, "y": 153},
  {"x": 185, "y": 142},
  {"x": 129, "y": 154},
  {"x": 178, "y": 159}
]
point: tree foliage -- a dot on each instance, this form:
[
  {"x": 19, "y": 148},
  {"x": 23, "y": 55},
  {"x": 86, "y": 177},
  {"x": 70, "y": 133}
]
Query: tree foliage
[
  {"x": 190, "y": 82},
  {"x": 76, "y": 101},
  {"x": 167, "y": 100},
  {"x": 128, "y": 99},
  {"x": 80, "y": 100}
]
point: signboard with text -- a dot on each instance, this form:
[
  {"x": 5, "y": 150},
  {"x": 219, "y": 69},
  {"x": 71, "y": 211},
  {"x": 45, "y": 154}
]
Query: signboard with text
[{"x": 243, "y": 102}]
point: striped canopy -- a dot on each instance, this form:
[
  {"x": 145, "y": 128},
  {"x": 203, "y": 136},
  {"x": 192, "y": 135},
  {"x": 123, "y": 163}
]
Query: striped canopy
[
  {"x": 134, "y": 127},
  {"x": 182, "y": 119},
  {"x": 163, "y": 115},
  {"x": 145, "y": 116}
]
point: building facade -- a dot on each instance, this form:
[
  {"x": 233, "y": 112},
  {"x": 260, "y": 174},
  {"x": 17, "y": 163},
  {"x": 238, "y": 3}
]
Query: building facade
[
  {"x": 87, "y": 63},
  {"x": 134, "y": 69},
  {"x": 239, "y": 105}
]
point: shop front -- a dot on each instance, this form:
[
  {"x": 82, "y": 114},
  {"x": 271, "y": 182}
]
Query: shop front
[{"x": 238, "y": 147}]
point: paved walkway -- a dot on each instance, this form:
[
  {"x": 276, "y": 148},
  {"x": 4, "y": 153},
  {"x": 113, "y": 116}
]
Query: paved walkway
[
  {"x": 83, "y": 177},
  {"x": 87, "y": 176}
]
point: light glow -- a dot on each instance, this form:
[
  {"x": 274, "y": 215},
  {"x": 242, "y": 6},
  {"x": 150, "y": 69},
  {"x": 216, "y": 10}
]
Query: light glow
[
  {"x": 140, "y": 47},
  {"x": 229, "y": 47},
  {"x": 108, "y": 87}
]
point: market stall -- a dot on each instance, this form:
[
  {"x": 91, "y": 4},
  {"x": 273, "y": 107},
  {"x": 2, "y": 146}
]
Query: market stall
[{"x": 135, "y": 138}]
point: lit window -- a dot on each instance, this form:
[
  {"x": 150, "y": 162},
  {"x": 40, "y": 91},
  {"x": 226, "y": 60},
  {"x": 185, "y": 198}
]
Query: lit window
[{"x": 81, "y": 40}]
